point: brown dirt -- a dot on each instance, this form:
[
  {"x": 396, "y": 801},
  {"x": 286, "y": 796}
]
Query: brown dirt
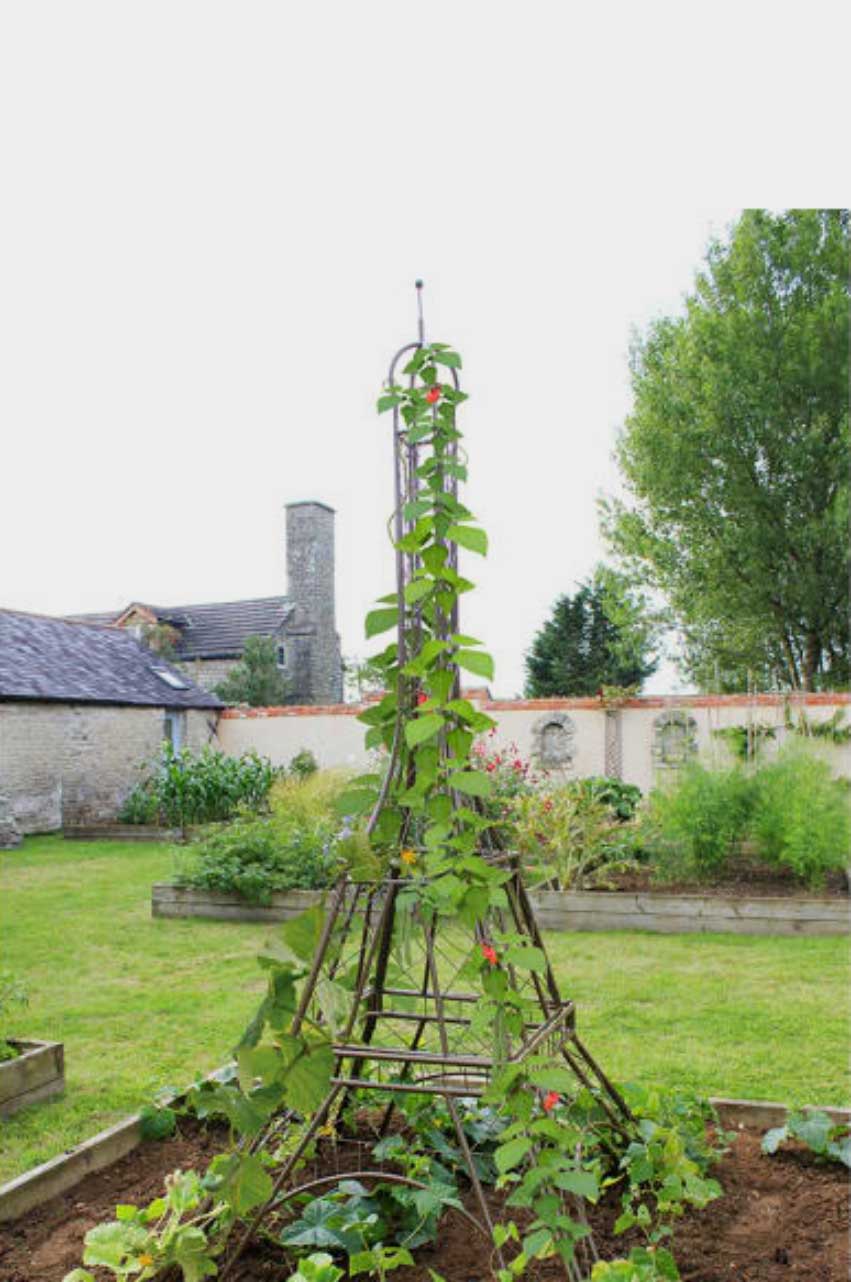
[
  {"x": 746, "y": 881},
  {"x": 781, "y": 1219}
]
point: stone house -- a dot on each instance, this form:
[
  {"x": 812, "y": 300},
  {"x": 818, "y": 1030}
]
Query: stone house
[
  {"x": 82, "y": 708},
  {"x": 205, "y": 641}
]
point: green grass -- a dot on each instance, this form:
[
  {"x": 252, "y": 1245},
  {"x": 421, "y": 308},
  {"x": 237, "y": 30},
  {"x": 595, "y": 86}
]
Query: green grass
[{"x": 142, "y": 1004}]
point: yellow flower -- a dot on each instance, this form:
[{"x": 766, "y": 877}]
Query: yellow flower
[
  {"x": 146, "y": 1261},
  {"x": 408, "y": 857},
  {"x": 327, "y": 1130}
]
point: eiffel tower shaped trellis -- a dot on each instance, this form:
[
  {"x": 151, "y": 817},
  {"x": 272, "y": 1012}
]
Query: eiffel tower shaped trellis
[{"x": 410, "y": 1026}]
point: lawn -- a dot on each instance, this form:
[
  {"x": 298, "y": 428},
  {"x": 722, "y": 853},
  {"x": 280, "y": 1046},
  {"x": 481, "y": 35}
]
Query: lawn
[{"x": 141, "y": 1004}]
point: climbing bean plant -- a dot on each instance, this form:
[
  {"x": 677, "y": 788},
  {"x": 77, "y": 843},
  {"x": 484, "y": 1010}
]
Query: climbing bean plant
[{"x": 421, "y": 817}]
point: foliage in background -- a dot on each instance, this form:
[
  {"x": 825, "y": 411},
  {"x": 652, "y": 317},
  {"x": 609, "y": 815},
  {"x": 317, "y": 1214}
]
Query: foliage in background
[
  {"x": 622, "y": 799},
  {"x": 735, "y": 455},
  {"x": 13, "y": 994},
  {"x": 195, "y": 788},
  {"x": 569, "y": 835},
  {"x": 296, "y": 847},
  {"x": 745, "y": 741},
  {"x": 792, "y": 809},
  {"x": 162, "y": 638},
  {"x": 801, "y": 815},
  {"x": 831, "y": 728},
  {"x": 601, "y": 636},
  {"x": 362, "y": 677},
  {"x": 256, "y": 679},
  {"x": 303, "y": 764},
  {"x": 695, "y": 821}
]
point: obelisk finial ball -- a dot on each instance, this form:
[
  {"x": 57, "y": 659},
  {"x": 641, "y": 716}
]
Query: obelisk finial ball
[{"x": 418, "y": 284}]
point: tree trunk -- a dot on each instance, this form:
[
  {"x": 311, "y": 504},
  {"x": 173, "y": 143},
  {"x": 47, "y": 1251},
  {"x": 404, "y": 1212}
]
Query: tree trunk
[{"x": 812, "y": 658}]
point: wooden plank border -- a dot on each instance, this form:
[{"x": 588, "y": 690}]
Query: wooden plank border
[
  {"x": 59, "y": 1174},
  {"x": 36, "y": 1073},
  {"x": 567, "y": 910}
]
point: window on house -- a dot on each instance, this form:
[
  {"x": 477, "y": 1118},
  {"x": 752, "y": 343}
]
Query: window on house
[
  {"x": 174, "y": 729},
  {"x": 282, "y": 656},
  {"x": 171, "y": 679}
]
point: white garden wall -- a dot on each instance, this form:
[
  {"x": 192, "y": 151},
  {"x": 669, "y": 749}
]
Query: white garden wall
[{"x": 335, "y": 736}]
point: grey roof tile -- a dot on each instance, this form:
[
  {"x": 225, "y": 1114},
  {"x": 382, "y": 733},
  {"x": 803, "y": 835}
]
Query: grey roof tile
[
  {"x": 216, "y": 630},
  {"x": 59, "y": 660}
]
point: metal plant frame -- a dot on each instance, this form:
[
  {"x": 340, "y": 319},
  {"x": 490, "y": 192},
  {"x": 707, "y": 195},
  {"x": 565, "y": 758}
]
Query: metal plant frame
[{"x": 419, "y": 1005}]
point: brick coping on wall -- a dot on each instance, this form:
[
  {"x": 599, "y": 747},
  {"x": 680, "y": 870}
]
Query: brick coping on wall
[{"x": 488, "y": 704}]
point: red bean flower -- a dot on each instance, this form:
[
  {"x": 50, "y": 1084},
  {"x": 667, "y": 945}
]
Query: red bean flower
[
  {"x": 489, "y": 954},
  {"x": 422, "y": 698},
  {"x": 433, "y": 395},
  {"x": 550, "y": 1100}
]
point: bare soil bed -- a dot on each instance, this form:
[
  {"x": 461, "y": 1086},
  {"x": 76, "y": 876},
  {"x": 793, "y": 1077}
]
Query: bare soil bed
[
  {"x": 781, "y": 1219},
  {"x": 746, "y": 881}
]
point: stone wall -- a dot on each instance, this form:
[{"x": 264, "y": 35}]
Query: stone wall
[
  {"x": 641, "y": 742},
  {"x": 206, "y": 673},
  {"x": 74, "y": 763}
]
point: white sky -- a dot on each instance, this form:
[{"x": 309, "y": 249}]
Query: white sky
[{"x": 211, "y": 218}]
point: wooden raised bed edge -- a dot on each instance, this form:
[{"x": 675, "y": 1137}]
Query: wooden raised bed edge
[
  {"x": 122, "y": 832},
  {"x": 186, "y": 901},
  {"x": 675, "y": 914},
  {"x": 566, "y": 910},
  {"x": 35, "y": 1187},
  {"x": 37, "y": 1072},
  {"x": 59, "y": 1174}
]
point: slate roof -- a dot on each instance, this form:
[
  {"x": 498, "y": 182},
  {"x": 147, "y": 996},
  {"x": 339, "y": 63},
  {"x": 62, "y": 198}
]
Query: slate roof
[
  {"x": 60, "y": 661},
  {"x": 214, "y": 631}
]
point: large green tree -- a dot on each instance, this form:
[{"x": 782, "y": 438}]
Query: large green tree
[
  {"x": 735, "y": 456},
  {"x": 256, "y": 679},
  {"x": 601, "y": 636}
]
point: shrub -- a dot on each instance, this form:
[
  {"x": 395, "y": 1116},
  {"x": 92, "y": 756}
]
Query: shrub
[
  {"x": 303, "y": 764},
  {"x": 296, "y": 847},
  {"x": 568, "y": 832},
  {"x": 195, "y": 788},
  {"x": 622, "y": 799},
  {"x": 801, "y": 819},
  {"x": 693, "y": 824}
]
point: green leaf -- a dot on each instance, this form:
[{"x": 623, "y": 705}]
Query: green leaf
[
  {"x": 553, "y": 1078},
  {"x": 422, "y": 728},
  {"x": 509, "y": 1155},
  {"x": 388, "y": 402},
  {"x": 470, "y": 537},
  {"x": 309, "y": 1079},
  {"x": 772, "y": 1139},
  {"x": 440, "y": 683},
  {"x": 417, "y": 589},
  {"x": 246, "y": 1183},
  {"x": 189, "y": 1250},
  {"x": 473, "y": 783},
  {"x": 537, "y": 1242},
  {"x": 356, "y": 802},
  {"x": 582, "y": 1183},
  {"x": 157, "y": 1123},
  {"x": 450, "y": 358},
  {"x": 380, "y": 621},
  {"x": 108, "y": 1245},
  {"x": 527, "y": 958},
  {"x": 301, "y": 934},
  {"x": 476, "y": 661},
  {"x": 434, "y": 557}
]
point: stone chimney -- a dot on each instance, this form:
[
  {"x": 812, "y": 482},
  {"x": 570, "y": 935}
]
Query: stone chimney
[{"x": 317, "y": 670}]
